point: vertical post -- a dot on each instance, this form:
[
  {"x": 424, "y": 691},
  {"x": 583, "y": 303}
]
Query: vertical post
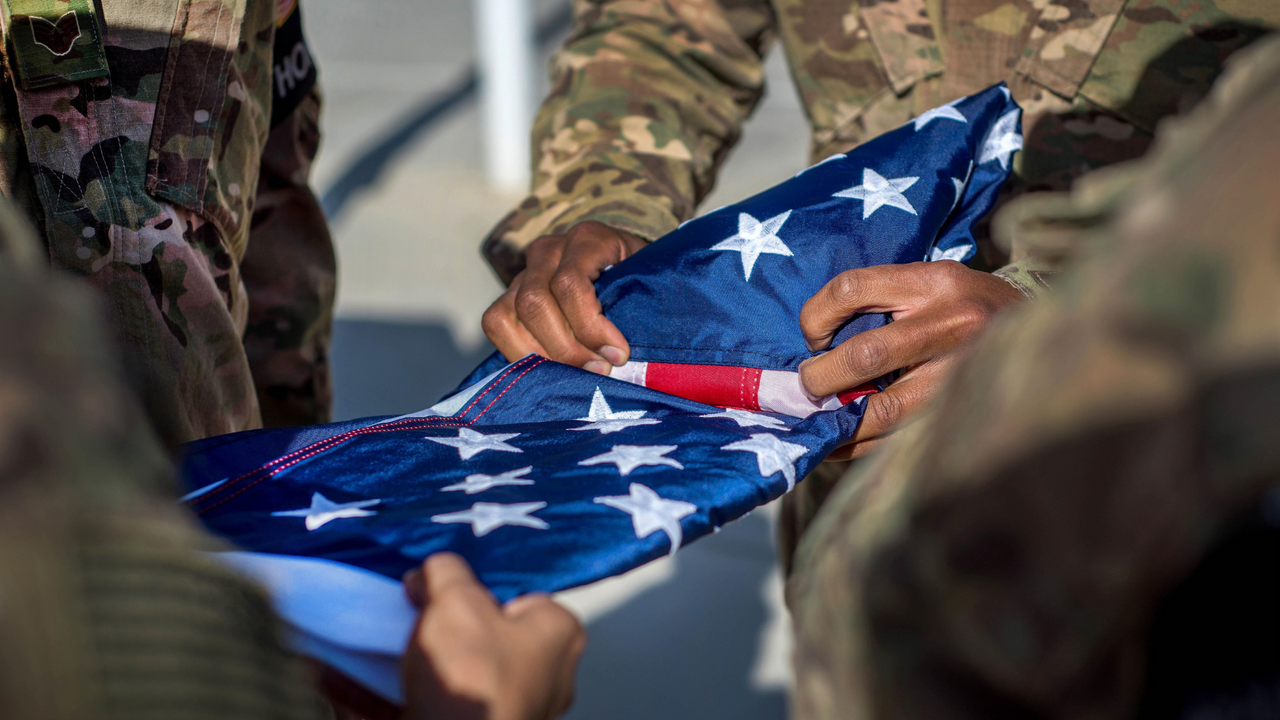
[{"x": 505, "y": 44}]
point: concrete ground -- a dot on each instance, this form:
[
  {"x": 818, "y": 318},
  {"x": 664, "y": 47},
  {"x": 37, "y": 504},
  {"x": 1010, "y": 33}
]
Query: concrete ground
[{"x": 702, "y": 636}]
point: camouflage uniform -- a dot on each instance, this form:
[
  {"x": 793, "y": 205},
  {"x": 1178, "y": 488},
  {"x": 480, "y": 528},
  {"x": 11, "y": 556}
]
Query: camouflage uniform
[
  {"x": 1028, "y": 547},
  {"x": 164, "y": 155},
  {"x": 109, "y": 612},
  {"x": 648, "y": 98}
]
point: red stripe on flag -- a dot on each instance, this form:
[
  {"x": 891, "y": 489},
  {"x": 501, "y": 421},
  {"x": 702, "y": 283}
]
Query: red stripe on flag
[
  {"x": 852, "y": 394},
  {"x": 719, "y": 385}
]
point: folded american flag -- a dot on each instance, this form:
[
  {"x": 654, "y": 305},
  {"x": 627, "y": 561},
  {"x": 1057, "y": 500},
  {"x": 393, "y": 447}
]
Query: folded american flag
[{"x": 545, "y": 476}]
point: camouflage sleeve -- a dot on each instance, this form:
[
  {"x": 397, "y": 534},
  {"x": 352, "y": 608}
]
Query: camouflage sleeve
[
  {"x": 1008, "y": 554},
  {"x": 1042, "y": 230},
  {"x": 193, "y": 217},
  {"x": 1029, "y": 276},
  {"x": 647, "y": 98}
]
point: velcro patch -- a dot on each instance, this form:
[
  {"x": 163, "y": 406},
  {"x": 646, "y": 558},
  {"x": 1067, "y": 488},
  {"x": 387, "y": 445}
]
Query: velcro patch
[{"x": 52, "y": 42}]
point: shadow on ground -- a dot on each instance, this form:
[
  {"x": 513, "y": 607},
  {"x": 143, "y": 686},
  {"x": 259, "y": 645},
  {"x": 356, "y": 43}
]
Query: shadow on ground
[
  {"x": 685, "y": 649},
  {"x": 393, "y": 367}
]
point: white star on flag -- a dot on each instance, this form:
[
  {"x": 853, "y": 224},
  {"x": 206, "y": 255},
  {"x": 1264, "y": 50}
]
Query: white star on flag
[
  {"x": 605, "y": 419},
  {"x": 651, "y": 512},
  {"x": 756, "y": 238},
  {"x": 772, "y": 455},
  {"x": 746, "y": 418},
  {"x": 1002, "y": 140},
  {"x": 630, "y": 457},
  {"x": 485, "y": 517},
  {"x": 324, "y": 510},
  {"x": 876, "y": 191},
  {"x": 471, "y": 443},
  {"x": 945, "y": 112},
  {"x": 480, "y": 482},
  {"x": 955, "y": 252},
  {"x": 960, "y": 184}
]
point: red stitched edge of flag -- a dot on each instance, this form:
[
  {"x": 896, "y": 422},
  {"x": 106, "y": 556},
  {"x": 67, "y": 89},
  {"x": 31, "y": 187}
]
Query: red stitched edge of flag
[
  {"x": 418, "y": 423},
  {"x": 719, "y": 385},
  {"x": 852, "y": 394}
]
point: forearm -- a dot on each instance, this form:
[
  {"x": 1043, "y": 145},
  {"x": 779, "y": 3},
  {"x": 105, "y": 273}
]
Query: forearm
[{"x": 647, "y": 99}]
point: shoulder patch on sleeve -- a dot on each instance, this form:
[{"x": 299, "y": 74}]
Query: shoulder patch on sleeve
[
  {"x": 52, "y": 42},
  {"x": 293, "y": 72}
]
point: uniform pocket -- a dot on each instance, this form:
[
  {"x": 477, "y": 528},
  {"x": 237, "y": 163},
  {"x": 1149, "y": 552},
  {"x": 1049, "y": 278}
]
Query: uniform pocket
[
  {"x": 1064, "y": 42},
  {"x": 213, "y": 113},
  {"x": 904, "y": 39}
]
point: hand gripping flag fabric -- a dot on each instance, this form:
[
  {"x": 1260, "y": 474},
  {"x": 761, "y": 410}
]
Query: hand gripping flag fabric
[{"x": 545, "y": 476}]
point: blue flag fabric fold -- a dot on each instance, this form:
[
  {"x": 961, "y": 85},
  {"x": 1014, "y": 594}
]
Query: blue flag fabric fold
[
  {"x": 544, "y": 476},
  {"x": 726, "y": 288}
]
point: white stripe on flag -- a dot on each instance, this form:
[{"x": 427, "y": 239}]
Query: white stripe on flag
[{"x": 780, "y": 392}]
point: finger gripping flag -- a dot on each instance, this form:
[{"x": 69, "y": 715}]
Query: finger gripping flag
[{"x": 544, "y": 476}]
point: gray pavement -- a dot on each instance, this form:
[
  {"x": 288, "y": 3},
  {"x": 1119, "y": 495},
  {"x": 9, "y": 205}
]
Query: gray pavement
[{"x": 703, "y": 635}]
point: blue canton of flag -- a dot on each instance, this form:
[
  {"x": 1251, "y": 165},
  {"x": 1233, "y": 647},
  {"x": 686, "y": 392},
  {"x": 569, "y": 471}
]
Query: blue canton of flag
[{"x": 544, "y": 476}]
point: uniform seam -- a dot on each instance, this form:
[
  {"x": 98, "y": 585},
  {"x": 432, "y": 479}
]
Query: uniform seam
[
  {"x": 161, "y": 116},
  {"x": 58, "y": 79},
  {"x": 124, "y": 159},
  {"x": 215, "y": 112}
]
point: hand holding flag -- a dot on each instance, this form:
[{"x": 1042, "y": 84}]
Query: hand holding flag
[{"x": 544, "y": 476}]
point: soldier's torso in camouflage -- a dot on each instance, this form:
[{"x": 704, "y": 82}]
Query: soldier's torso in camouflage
[
  {"x": 173, "y": 179},
  {"x": 648, "y": 97},
  {"x": 1086, "y": 523},
  {"x": 955, "y": 576}
]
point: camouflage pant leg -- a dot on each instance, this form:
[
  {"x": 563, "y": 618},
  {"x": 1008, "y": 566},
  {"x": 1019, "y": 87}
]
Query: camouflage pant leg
[
  {"x": 289, "y": 272},
  {"x": 110, "y": 610},
  {"x": 1005, "y": 556},
  {"x": 801, "y": 505}
]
